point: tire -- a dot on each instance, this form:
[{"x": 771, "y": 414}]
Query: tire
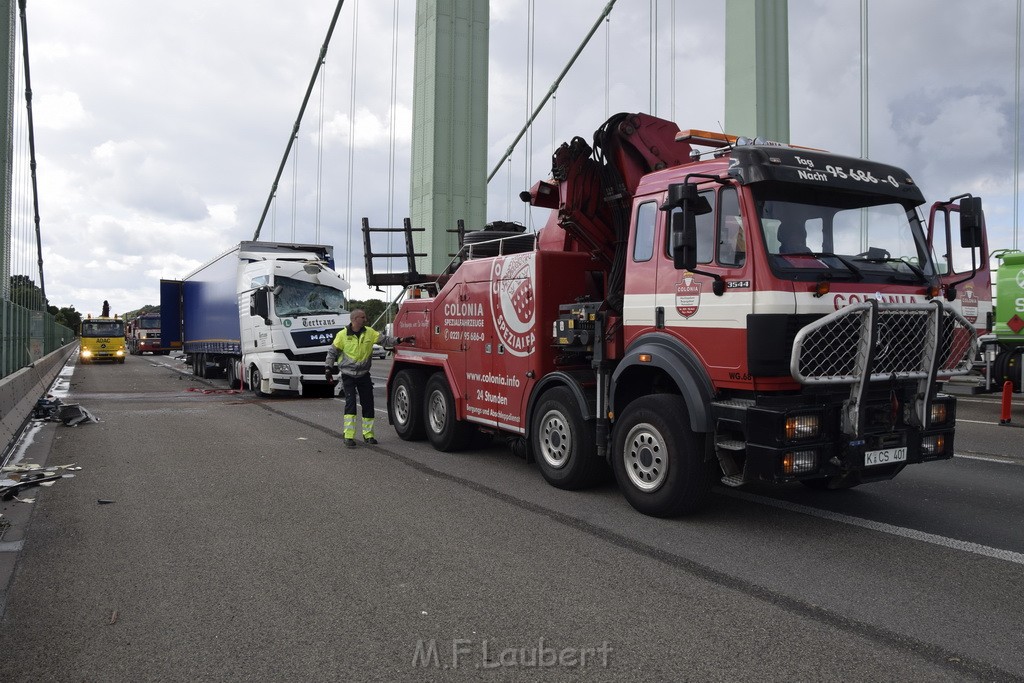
[
  {"x": 407, "y": 405},
  {"x": 444, "y": 432},
  {"x": 232, "y": 374},
  {"x": 255, "y": 379},
  {"x": 563, "y": 443},
  {"x": 658, "y": 461}
]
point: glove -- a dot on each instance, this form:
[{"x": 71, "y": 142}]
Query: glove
[{"x": 329, "y": 374}]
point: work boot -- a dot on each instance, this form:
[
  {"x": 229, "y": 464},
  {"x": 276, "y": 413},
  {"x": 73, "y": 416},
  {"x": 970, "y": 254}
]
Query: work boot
[
  {"x": 350, "y": 443},
  {"x": 370, "y": 440}
]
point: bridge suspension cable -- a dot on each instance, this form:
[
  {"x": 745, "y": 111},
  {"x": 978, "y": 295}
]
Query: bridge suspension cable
[
  {"x": 551, "y": 91},
  {"x": 298, "y": 120},
  {"x": 351, "y": 140},
  {"x": 32, "y": 147}
]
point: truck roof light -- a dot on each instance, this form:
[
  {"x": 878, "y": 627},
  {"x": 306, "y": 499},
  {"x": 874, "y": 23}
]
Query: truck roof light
[{"x": 704, "y": 137}]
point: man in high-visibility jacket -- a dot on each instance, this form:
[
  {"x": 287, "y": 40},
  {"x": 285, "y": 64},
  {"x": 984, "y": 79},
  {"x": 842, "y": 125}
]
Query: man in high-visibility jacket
[{"x": 354, "y": 346}]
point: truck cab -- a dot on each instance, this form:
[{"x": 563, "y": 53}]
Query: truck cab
[{"x": 102, "y": 340}]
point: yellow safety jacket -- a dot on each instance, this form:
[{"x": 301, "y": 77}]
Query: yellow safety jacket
[{"x": 353, "y": 351}]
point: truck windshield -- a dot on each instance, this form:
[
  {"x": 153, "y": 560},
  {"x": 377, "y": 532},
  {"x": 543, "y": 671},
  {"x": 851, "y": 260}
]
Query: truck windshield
[
  {"x": 307, "y": 298},
  {"x": 93, "y": 328},
  {"x": 149, "y": 323},
  {"x": 854, "y": 236}
]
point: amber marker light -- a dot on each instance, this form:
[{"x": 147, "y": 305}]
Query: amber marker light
[
  {"x": 645, "y": 358},
  {"x": 932, "y": 291},
  {"x": 822, "y": 288}
]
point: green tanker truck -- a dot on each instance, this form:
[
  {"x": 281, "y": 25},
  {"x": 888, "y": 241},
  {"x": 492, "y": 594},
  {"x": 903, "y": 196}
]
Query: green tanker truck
[{"x": 1002, "y": 349}]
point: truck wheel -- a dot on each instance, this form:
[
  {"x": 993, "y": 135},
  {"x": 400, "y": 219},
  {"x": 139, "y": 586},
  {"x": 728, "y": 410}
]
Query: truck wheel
[
  {"x": 255, "y": 379},
  {"x": 658, "y": 461},
  {"x": 232, "y": 373},
  {"x": 406, "y": 405},
  {"x": 444, "y": 432},
  {"x": 563, "y": 445}
]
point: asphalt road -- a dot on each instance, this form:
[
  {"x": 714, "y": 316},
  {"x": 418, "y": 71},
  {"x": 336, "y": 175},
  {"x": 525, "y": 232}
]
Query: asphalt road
[{"x": 245, "y": 543}]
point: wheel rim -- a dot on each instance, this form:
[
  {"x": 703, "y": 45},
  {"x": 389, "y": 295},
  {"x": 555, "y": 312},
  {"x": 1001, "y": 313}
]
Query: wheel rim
[
  {"x": 402, "y": 404},
  {"x": 646, "y": 458},
  {"x": 555, "y": 439},
  {"x": 438, "y": 412},
  {"x": 255, "y": 380}
]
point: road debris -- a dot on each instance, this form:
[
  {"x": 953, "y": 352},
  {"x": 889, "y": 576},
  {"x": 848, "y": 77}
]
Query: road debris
[
  {"x": 51, "y": 408},
  {"x": 19, "y": 477}
]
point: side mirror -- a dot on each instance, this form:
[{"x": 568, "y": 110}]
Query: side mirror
[
  {"x": 679, "y": 194},
  {"x": 971, "y": 219},
  {"x": 684, "y": 240},
  {"x": 259, "y": 304}
]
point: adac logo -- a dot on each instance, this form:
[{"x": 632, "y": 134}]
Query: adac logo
[
  {"x": 513, "y": 304},
  {"x": 969, "y": 304},
  {"x": 687, "y": 295}
]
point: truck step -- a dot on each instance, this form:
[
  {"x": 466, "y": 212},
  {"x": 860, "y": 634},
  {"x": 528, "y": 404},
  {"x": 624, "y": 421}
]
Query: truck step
[
  {"x": 733, "y": 481},
  {"x": 731, "y": 444}
]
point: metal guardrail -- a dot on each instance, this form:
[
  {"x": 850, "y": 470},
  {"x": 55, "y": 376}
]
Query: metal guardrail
[{"x": 27, "y": 335}]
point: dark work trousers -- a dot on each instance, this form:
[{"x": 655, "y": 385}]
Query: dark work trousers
[{"x": 363, "y": 384}]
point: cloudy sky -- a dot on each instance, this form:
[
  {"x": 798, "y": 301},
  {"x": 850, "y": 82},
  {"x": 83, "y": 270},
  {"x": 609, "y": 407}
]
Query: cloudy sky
[{"x": 159, "y": 126}]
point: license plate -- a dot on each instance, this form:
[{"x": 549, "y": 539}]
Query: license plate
[{"x": 885, "y": 456}]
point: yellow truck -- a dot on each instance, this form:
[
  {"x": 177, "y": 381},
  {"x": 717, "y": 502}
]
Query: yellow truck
[{"x": 102, "y": 340}]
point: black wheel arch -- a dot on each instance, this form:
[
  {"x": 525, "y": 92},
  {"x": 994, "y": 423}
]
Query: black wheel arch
[{"x": 672, "y": 363}]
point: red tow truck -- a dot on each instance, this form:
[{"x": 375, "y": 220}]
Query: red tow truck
[{"x": 699, "y": 307}]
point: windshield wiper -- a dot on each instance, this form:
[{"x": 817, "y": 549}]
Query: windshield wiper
[
  {"x": 887, "y": 259},
  {"x": 846, "y": 262}
]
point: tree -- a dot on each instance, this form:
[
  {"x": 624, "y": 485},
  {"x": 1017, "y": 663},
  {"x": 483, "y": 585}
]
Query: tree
[
  {"x": 374, "y": 308},
  {"x": 25, "y": 293},
  {"x": 68, "y": 317},
  {"x": 148, "y": 308}
]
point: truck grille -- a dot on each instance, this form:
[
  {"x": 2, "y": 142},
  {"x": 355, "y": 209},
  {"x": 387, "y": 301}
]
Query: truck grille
[{"x": 884, "y": 341}]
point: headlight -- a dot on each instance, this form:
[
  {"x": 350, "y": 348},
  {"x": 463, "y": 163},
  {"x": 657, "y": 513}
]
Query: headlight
[
  {"x": 120, "y": 352},
  {"x": 86, "y": 353},
  {"x": 281, "y": 368},
  {"x": 939, "y": 413},
  {"x": 803, "y": 426},
  {"x": 933, "y": 445},
  {"x": 799, "y": 462}
]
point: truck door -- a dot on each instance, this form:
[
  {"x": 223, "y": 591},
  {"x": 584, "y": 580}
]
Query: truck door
[
  {"x": 713, "y": 325},
  {"x": 955, "y": 263},
  {"x": 170, "y": 314},
  {"x": 255, "y": 333}
]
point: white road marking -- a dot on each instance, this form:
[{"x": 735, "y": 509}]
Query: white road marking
[
  {"x": 990, "y": 458},
  {"x": 913, "y": 534}
]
